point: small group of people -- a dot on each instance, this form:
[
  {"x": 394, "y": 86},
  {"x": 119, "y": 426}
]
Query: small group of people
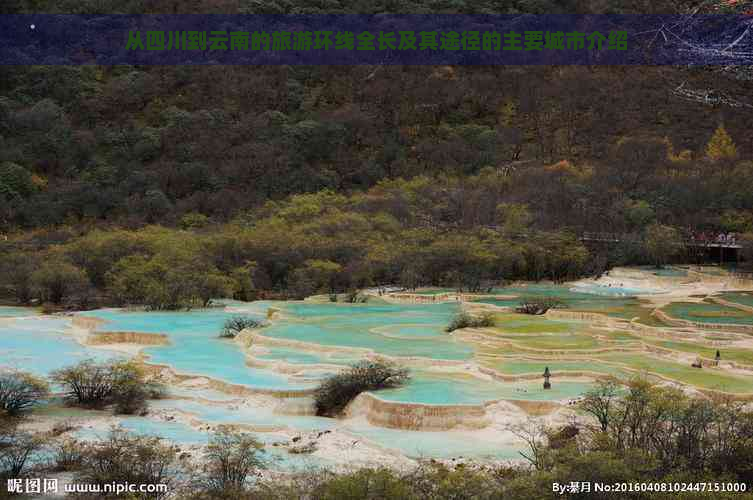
[{"x": 710, "y": 237}]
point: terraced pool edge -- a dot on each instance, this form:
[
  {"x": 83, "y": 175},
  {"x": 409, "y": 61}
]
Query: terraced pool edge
[
  {"x": 729, "y": 303},
  {"x": 730, "y": 327}
]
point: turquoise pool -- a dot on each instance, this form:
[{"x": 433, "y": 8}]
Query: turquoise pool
[
  {"x": 390, "y": 329},
  {"x": 195, "y": 347},
  {"x": 41, "y": 344},
  {"x": 432, "y": 291},
  {"x": 708, "y": 313},
  {"x": 438, "y": 389},
  {"x": 260, "y": 416},
  {"x": 7, "y": 311},
  {"x": 618, "y": 304},
  {"x": 299, "y": 356},
  {"x": 448, "y": 444},
  {"x": 744, "y": 298},
  {"x": 275, "y": 458},
  {"x": 669, "y": 271}
]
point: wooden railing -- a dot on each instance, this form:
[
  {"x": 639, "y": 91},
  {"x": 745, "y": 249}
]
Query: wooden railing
[{"x": 630, "y": 237}]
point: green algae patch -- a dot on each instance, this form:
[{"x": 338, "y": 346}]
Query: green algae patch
[
  {"x": 510, "y": 366},
  {"x": 618, "y": 336},
  {"x": 444, "y": 388},
  {"x": 651, "y": 320},
  {"x": 727, "y": 354},
  {"x": 703, "y": 378},
  {"x": 388, "y": 329},
  {"x": 611, "y": 301},
  {"x": 524, "y": 323},
  {"x": 666, "y": 272},
  {"x": 554, "y": 342},
  {"x": 706, "y": 312},
  {"x": 742, "y": 298}
]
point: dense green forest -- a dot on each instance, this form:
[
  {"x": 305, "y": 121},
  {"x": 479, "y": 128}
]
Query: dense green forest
[
  {"x": 147, "y": 145},
  {"x": 301, "y": 179}
]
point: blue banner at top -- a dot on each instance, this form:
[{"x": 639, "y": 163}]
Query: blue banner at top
[{"x": 376, "y": 39}]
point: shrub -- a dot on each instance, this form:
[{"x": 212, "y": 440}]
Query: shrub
[
  {"x": 302, "y": 449},
  {"x": 19, "y": 391},
  {"x": 16, "y": 269},
  {"x": 367, "y": 484},
  {"x": 61, "y": 428},
  {"x": 465, "y": 320},
  {"x": 130, "y": 389},
  {"x": 178, "y": 277},
  {"x": 67, "y": 455},
  {"x": 538, "y": 305},
  {"x": 17, "y": 450},
  {"x": 356, "y": 297},
  {"x": 232, "y": 458},
  {"x": 57, "y": 279},
  {"x": 124, "y": 457},
  {"x": 335, "y": 392},
  {"x": 237, "y": 324},
  {"x": 193, "y": 220},
  {"x": 435, "y": 480},
  {"x": 428, "y": 480},
  {"x": 86, "y": 384},
  {"x": 120, "y": 383}
]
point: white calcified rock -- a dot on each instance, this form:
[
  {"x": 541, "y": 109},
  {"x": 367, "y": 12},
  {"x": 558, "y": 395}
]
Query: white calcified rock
[{"x": 198, "y": 382}]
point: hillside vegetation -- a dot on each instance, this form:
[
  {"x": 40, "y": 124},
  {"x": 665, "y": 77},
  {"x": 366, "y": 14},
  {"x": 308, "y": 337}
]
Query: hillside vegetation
[{"x": 171, "y": 185}]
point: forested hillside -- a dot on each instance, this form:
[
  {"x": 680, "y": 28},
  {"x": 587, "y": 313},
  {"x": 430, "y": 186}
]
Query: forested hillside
[
  {"x": 509, "y": 157},
  {"x": 145, "y": 145}
]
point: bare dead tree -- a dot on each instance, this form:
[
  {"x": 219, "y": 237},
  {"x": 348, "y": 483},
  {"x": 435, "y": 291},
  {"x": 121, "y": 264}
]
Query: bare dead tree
[
  {"x": 535, "y": 436},
  {"x": 709, "y": 97},
  {"x": 731, "y": 50}
]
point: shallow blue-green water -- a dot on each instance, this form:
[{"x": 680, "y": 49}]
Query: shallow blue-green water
[
  {"x": 390, "y": 329},
  {"x": 421, "y": 444},
  {"x": 617, "y": 302},
  {"x": 208, "y": 394},
  {"x": 8, "y": 311},
  {"x": 43, "y": 343},
  {"x": 438, "y": 389},
  {"x": 195, "y": 347},
  {"x": 299, "y": 356},
  {"x": 40, "y": 345},
  {"x": 275, "y": 458},
  {"x": 667, "y": 271},
  {"x": 387, "y": 329},
  {"x": 705, "y": 312},
  {"x": 263, "y": 417},
  {"x": 744, "y": 298},
  {"x": 412, "y": 443},
  {"x": 609, "y": 291}
]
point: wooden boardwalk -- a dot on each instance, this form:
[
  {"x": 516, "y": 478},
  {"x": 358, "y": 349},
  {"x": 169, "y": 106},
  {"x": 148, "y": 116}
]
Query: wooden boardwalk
[{"x": 626, "y": 237}]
